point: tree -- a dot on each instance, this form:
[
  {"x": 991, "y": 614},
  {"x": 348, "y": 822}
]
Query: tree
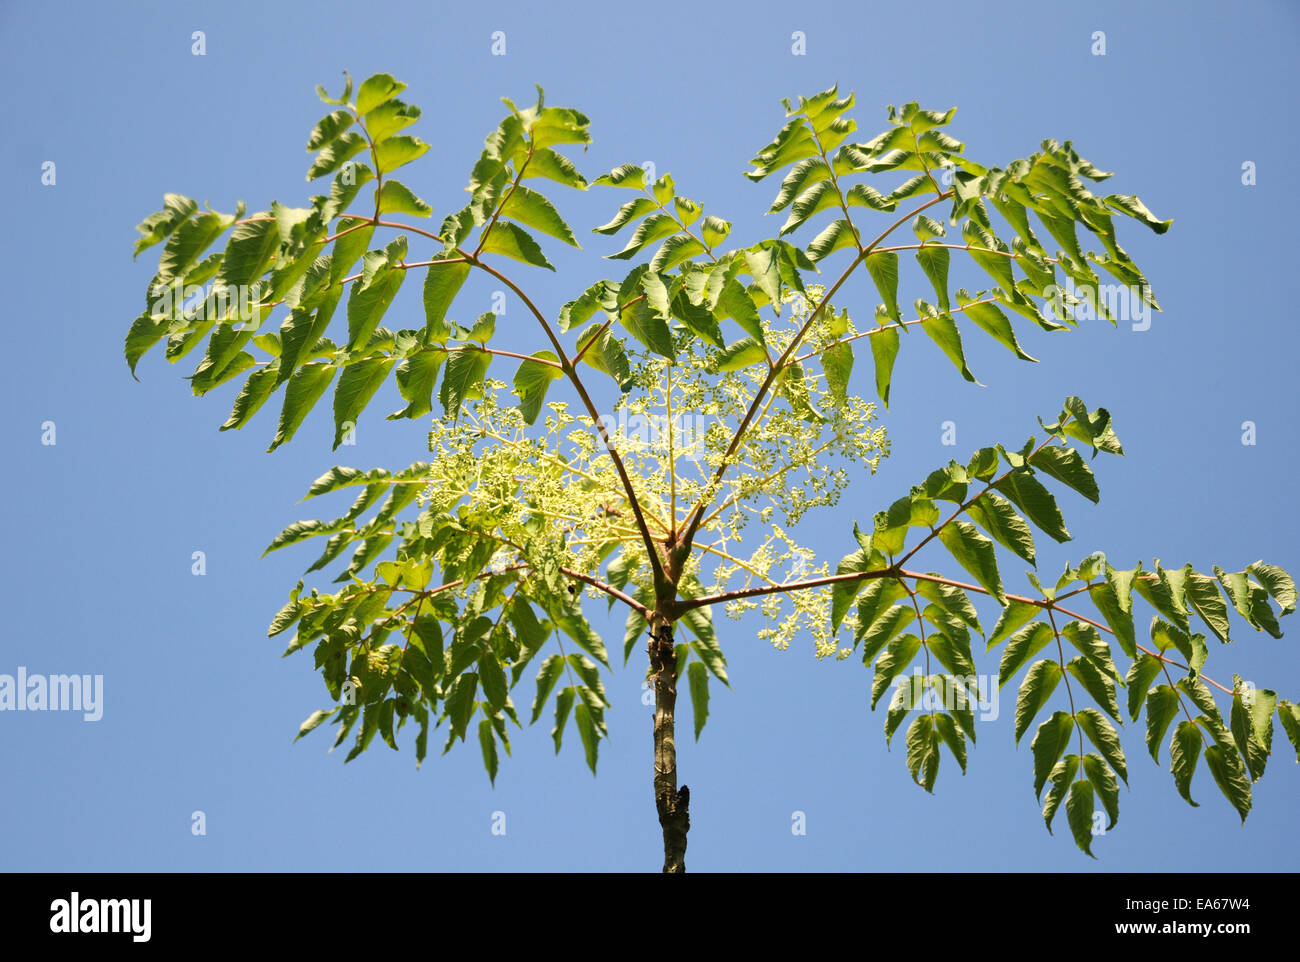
[{"x": 728, "y": 373}]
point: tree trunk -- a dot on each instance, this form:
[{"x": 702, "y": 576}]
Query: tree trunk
[{"x": 672, "y": 803}]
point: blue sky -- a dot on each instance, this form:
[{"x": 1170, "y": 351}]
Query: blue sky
[{"x": 200, "y": 711}]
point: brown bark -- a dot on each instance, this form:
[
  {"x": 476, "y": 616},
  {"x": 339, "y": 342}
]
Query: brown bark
[{"x": 672, "y": 803}]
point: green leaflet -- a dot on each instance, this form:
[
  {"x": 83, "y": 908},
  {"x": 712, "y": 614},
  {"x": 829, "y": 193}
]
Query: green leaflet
[
  {"x": 533, "y": 210},
  {"x": 1078, "y": 811},
  {"x": 336, "y": 153},
  {"x": 397, "y": 151},
  {"x": 942, "y": 329},
  {"x": 298, "y": 531},
  {"x": 460, "y": 703},
  {"x": 698, "y": 679},
  {"x": 1134, "y": 208},
  {"x": 357, "y": 385},
  {"x": 883, "y": 268},
  {"x": 765, "y": 265},
  {"x": 466, "y": 369},
  {"x": 223, "y": 360},
  {"x": 1102, "y": 734},
  {"x": 344, "y": 189},
  {"x": 1203, "y": 595},
  {"x": 1088, "y": 641},
  {"x": 1231, "y": 778},
  {"x": 589, "y": 673},
  {"x": 640, "y": 319},
  {"x": 187, "y": 242},
  {"x": 1166, "y": 595},
  {"x": 177, "y": 208},
  {"x": 927, "y": 228},
  {"x": 1199, "y": 693},
  {"x": 145, "y": 332},
  {"x": 836, "y": 236},
  {"x": 488, "y": 745},
  {"x": 898, "y": 655},
  {"x": 794, "y": 142},
  {"x": 1103, "y": 781},
  {"x": 953, "y": 600},
  {"x": 1100, "y": 687},
  {"x": 441, "y": 285},
  {"x": 417, "y": 376},
  {"x": 1251, "y": 721},
  {"x": 948, "y": 731},
  {"x": 1040, "y": 681},
  {"x": 1162, "y": 707},
  {"x": 653, "y": 228},
  {"x": 1065, "y": 465},
  {"x": 1184, "y": 752},
  {"x": 843, "y": 592},
  {"x": 995, "y": 324},
  {"x": 884, "y": 350},
  {"x": 1141, "y": 673},
  {"x": 249, "y": 253},
  {"x": 698, "y": 318},
  {"x": 1278, "y": 583},
  {"x": 547, "y": 676},
  {"x": 1028, "y": 494},
  {"x": 1061, "y": 778},
  {"x": 714, "y": 230},
  {"x": 817, "y": 198},
  {"x": 390, "y": 117},
  {"x": 864, "y": 195},
  {"x": 632, "y": 210},
  {"x": 627, "y": 175},
  {"x": 1289, "y": 715},
  {"x": 288, "y": 615},
  {"x": 605, "y": 355},
  {"x": 1050, "y": 742},
  {"x": 348, "y": 246},
  {"x": 377, "y": 90},
  {"x": 881, "y": 631},
  {"x": 1022, "y": 646},
  {"x": 804, "y": 174},
  {"x": 368, "y": 301},
  {"x": 962, "y": 694},
  {"x": 586, "y": 724},
  {"x": 699, "y": 622},
  {"x": 510, "y": 240},
  {"x": 532, "y": 381},
  {"x": 256, "y": 390},
  {"x": 1120, "y": 620},
  {"x": 314, "y": 720},
  {"x": 395, "y": 197},
  {"x": 975, "y": 553},
  {"x": 907, "y": 696},
  {"x": 568, "y": 617},
  {"x": 556, "y": 167},
  {"x": 740, "y": 354},
  {"x": 303, "y": 391},
  {"x": 675, "y": 249},
  {"x": 912, "y": 511},
  {"x": 492, "y": 677},
  {"x": 576, "y": 312},
  {"x": 923, "y": 752},
  {"x": 934, "y": 261},
  {"x": 995, "y": 515}
]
